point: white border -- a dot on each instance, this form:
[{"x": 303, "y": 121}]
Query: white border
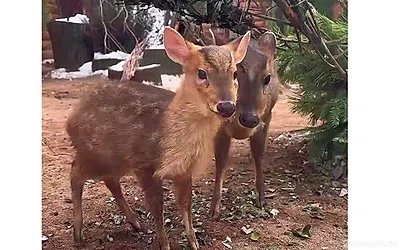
[
  {"x": 373, "y": 109},
  {"x": 373, "y": 125},
  {"x": 20, "y": 125}
]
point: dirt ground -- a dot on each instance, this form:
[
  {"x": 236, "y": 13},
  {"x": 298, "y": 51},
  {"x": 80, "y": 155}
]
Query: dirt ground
[{"x": 290, "y": 182}]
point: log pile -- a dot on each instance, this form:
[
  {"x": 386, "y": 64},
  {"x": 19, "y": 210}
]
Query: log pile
[{"x": 47, "y": 51}]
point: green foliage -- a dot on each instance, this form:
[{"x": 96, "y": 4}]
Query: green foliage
[{"x": 323, "y": 91}]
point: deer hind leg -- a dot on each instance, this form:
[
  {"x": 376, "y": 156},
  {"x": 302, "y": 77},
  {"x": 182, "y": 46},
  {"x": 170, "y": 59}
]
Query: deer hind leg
[
  {"x": 183, "y": 192},
  {"x": 77, "y": 182},
  {"x": 153, "y": 191},
  {"x": 257, "y": 145},
  {"x": 115, "y": 187},
  {"x": 222, "y": 145}
]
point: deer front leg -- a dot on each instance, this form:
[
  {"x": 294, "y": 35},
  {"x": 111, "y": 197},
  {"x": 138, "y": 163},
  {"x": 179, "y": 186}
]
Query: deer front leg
[
  {"x": 183, "y": 193},
  {"x": 222, "y": 145},
  {"x": 257, "y": 145}
]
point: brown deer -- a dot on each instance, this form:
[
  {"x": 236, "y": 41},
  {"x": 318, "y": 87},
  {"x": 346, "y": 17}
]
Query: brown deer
[
  {"x": 136, "y": 129},
  {"x": 257, "y": 95}
]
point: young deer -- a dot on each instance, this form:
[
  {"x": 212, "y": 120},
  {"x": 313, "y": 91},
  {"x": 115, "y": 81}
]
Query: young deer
[
  {"x": 153, "y": 134},
  {"x": 257, "y": 95}
]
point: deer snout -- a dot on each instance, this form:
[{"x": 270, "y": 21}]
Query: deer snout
[
  {"x": 249, "y": 119},
  {"x": 226, "y": 108}
]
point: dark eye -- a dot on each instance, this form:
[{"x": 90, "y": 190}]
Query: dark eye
[
  {"x": 235, "y": 75},
  {"x": 267, "y": 79},
  {"x": 202, "y": 75}
]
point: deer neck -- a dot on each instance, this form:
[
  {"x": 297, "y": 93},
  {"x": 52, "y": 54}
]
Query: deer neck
[{"x": 189, "y": 129}]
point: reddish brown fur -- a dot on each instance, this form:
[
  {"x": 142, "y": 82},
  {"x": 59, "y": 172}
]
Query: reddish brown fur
[
  {"x": 258, "y": 63},
  {"x": 138, "y": 129}
]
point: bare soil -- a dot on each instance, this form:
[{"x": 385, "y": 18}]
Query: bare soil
[{"x": 291, "y": 184}]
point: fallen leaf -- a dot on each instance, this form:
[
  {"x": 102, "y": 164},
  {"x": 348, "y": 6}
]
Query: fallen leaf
[
  {"x": 44, "y": 238},
  {"x": 246, "y": 230},
  {"x": 343, "y": 192},
  {"x": 227, "y": 245},
  {"x": 227, "y": 242},
  {"x": 317, "y": 215},
  {"x": 109, "y": 238},
  {"x": 255, "y": 236},
  {"x": 271, "y": 195},
  {"x": 304, "y": 233},
  {"x": 88, "y": 182},
  {"x": 272, "y": 190},
  {"x": 288, "y": 189},
  {"x": 274, "y": 212},
  {"x": 117, "y": 219}
]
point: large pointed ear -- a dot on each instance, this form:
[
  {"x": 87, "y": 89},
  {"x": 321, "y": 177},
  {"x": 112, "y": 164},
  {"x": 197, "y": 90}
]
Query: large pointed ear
[
  {"x": 239, "y": 47},
  {"x": 175, "y": 45},
  {"x": 267, "y": 44}
]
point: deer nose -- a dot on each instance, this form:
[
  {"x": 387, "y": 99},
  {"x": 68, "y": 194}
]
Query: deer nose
[
  {"x": 226, "y": 108},
  {"x": 249, "y": 120}
]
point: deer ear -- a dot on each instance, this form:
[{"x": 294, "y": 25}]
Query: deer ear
[
  {"x": 175, "y": 45},
  {"x": 267, "y": 43},
  {"x": 239, "y": 47}
]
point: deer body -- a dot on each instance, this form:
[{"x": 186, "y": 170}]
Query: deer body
[
  {"x": 258, "y": 92},
  {"x": 136, "y": 129}
]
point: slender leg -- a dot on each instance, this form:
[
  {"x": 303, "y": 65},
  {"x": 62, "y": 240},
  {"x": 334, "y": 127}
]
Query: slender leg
[
  {"x": 183, "y": 191},
  {"x": 222, "y": 145},
  {"x": 154, "y": 197},
  {"x": 257, "y": 145},
  {"x": 115, "y": 187},
  {"x": 77, "y": 183}
]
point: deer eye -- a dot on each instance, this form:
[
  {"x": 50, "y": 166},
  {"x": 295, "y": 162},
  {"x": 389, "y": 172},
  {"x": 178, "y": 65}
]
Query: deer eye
[
  {"x": 201, "y": 74},
  {"x": 267, "y": 79},
  {"x": 235, "y": 75}
]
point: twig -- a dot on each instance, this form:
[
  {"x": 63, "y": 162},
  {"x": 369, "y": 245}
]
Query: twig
[
  {"x": 270, "y": 18},
  {"x": 270, "y": 8},
  {"x": 104, "y": 25},
  {"x": 45, "y": 142},
  {"x": 127, "y": 26},
  {"x": 298, "y": 39}
]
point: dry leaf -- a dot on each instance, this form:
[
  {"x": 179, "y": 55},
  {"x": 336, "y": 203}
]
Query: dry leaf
[
  {"x": 255, "y": 236},
  {"x": 246, "y": 230},
  {"x": 343, "y": 192}
]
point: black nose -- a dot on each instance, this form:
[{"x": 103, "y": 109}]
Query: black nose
[
  {"x": 249, "y": 120},
  {"x": 226, "y": 108}
]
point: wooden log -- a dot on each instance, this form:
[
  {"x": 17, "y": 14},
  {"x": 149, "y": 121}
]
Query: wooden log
[
  {"x": 47, "y": 54},
  {"x": 46, "y": 45},
  {"x": 53, "y": 9},
  {"x": 45, "y": 35},
  {"x": 54, "y": 16}
]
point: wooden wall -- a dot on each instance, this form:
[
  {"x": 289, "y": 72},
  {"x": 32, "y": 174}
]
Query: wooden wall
[{"x": 50, "y": 8}]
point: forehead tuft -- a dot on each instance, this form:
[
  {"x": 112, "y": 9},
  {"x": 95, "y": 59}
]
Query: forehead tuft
[{"x": 217, "y": 56}]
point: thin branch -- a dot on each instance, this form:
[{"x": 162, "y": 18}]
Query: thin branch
[
  {"x": 270, "y": 8},
  {"x": 270, "y": 18},
  {"x": 104, "y": 25},
  {"x": 127, "y": 26}
]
